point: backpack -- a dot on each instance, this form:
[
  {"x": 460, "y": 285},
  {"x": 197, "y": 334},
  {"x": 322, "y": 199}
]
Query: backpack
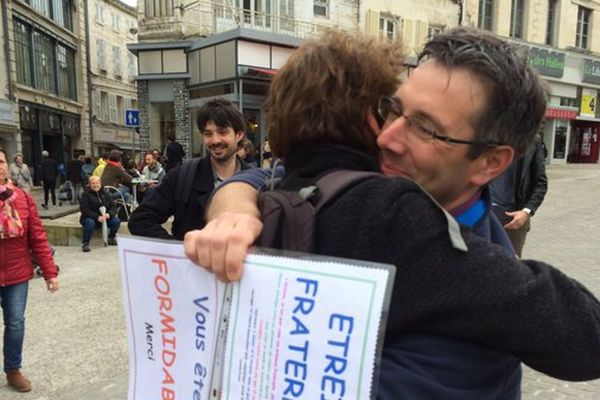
[{"x": 289, "y": 215}]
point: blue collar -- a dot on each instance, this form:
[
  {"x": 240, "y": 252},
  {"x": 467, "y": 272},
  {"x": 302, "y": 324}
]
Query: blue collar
[{"x": 473, "y": 214}]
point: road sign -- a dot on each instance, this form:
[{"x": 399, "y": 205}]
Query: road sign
[{"x": 132, "y": 118}]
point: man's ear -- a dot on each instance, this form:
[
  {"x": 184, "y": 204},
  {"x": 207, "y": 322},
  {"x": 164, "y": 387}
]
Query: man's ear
[
  {"x": 239, "y": 135},
  {"x": 491, "y": 164},
  {"x": 372, "y": 122}
]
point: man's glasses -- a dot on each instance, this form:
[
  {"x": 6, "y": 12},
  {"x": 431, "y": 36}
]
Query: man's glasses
[{"x": 389, "y": 109}]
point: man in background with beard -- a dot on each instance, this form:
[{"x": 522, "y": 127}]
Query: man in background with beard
[{"x": 185, "y": 191}]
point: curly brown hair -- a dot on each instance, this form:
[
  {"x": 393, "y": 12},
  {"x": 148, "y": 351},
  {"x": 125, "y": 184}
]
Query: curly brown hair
[{"x": 326, "y": 89}]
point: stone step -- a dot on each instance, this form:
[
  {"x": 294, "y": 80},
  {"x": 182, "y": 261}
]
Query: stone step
[{"x": 67, "y": 231}]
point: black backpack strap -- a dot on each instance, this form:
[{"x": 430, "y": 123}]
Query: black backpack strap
[
  {"x": 185, "y": 181},
  {"x": 333, "y": 184}
]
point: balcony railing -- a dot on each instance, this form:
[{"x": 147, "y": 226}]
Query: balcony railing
[{"x": 204, "y": 18}]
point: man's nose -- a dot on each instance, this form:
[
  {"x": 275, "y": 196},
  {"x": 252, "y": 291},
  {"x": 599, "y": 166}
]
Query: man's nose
[{"x": 393, "y": 136}]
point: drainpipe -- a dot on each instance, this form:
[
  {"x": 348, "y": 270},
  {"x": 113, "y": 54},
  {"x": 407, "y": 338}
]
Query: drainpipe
[
  {"x": 88, "y": 72},
  {"x": 11, "y": 93},
  {"x": 460, "y": 10}
]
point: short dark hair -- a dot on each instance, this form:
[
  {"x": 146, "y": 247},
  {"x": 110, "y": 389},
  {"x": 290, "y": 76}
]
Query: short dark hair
[
  {"x": 516, "y": 95},
  {"x": 326, "y": 88},
  {"x": 114, "y": 155},
  {"x": 88, "y": 160},
  {"x": 223, "y": 113}
]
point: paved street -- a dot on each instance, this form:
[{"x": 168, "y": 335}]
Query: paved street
[{"x": 76, "y": 346}]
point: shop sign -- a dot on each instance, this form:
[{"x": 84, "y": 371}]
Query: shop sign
[
  {"x": 549, "y": 63},
  {"x": 560, "y": 113},
  {"x": 71, "y": 125},
  {"x": 112, "y": 135},
  {"x": 591, "y": 71},
  {"x": 589, "y": 103},
  {"x": 7, "y": 113}
]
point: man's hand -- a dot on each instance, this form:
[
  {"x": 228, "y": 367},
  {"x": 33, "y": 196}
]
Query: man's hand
[
  {"x": 101, "y": 218},
  {"x": 223, "y": 243},
  {"x": 519, "y": 218},
  {"x": 52, "y": 285}
]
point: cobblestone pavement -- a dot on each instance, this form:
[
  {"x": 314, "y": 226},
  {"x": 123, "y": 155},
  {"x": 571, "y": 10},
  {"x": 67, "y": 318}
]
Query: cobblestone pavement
[
  {"x": 566, "y": 233},
  {"x": 76, "y": 344}
]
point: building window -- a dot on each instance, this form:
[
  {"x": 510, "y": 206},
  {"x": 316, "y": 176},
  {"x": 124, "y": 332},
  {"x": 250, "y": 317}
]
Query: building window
[
  {"x": 41, "y": 6},
  {"x": 97, "y": 104},
  {"x": 60, "y": 11},
  {"x": 130, "y": 28},
  {"x": 120, "y": 111},
  {"x": 388, "y": 27},
  {"x": 321, "y": 8},
  {"x": 112, "y": 108},
  {"x": 516, "y": 19},
  {"x": 99, "y": 14},
  {"x": 115, "y": 22},
  {"x": 44, "y": 62},
  {"x": 23, "y": 52},
  {"x": 551, "y": 23},
  {"x": 583, "y": 25},
  {"x": 257, "y": 12},
  {"x": 286, "y": 13},
  {"x": 131, "y": 66},
  {"x": 568, "y": 102},
  {"x": 117, "y": 65},
  {"x": 101, "y": 54},
  {"x": 66, "y": 72},
  {"x": 486, "y": 8},
  {"x": 104, "y": 106}
]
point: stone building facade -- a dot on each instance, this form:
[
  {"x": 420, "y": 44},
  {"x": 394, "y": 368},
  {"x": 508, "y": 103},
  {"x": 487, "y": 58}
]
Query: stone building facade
[
  {"x": 564, "y": 45},
  {"x": 112, "y": 25},
  {"x": 49, "y": 74},
  {"x": 44, "y": 82}
]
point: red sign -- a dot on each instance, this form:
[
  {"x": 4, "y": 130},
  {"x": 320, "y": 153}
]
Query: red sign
[{"x": 560, "y": 113}]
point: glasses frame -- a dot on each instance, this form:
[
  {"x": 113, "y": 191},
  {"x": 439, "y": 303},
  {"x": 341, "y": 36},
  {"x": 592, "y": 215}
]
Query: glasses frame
[{"x": 396, "y": 109}]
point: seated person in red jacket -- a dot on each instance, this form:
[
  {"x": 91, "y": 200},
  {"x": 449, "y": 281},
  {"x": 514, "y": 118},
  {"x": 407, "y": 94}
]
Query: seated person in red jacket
[{"x": 92, "y": 217}]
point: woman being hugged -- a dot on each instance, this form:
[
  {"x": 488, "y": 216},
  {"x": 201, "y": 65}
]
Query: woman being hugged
[
  {"x": 21, "y": 233},
  {"x": 20, "y": 174}
]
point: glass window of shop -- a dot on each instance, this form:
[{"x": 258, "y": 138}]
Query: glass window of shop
[
  {"x": 162, "y": 124},
  {"x": 560, "y": 139}
]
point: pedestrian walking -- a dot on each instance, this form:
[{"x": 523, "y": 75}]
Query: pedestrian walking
[
  {"x": 74, "y": 175},
  {"x": 21, "y": 234},
  {"x": 48, "y": 175}
]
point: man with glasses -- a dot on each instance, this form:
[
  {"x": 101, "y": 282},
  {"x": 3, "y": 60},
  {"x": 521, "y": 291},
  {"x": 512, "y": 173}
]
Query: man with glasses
[{"x": 444, "y": 128}]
